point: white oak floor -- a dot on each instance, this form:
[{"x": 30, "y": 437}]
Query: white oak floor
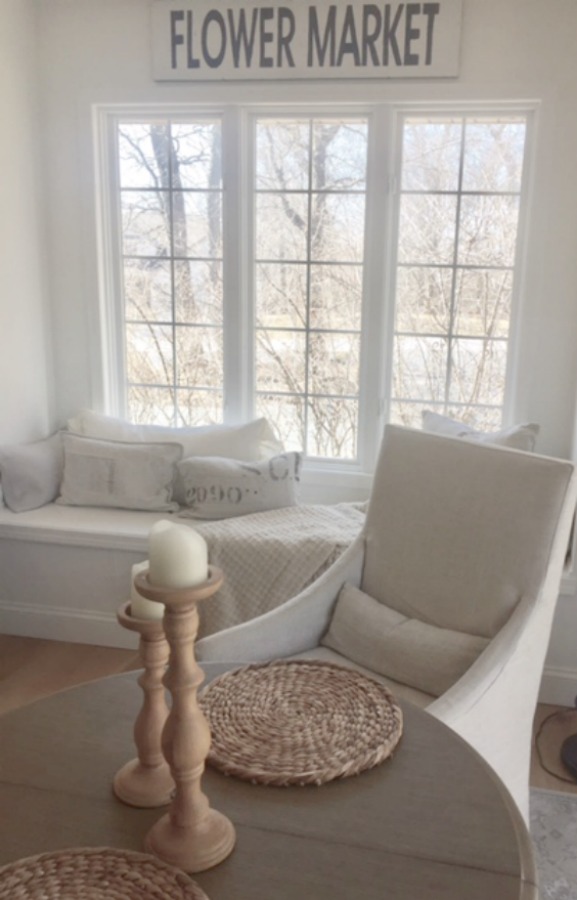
[{"x": 32, "y": 668}]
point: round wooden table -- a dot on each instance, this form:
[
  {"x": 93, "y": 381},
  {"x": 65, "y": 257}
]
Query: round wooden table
[{"x": 432, "y": 822}]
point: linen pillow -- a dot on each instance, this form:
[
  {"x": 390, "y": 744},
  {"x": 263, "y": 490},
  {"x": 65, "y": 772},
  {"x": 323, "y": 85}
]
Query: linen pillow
[
  {"x": 409, "y": 651},
  {"x": 118, "y": 475},
  {"x": 252, "y": 440},
  {"x": 519, "y": 437},
  {"x": 31, "y": 473},
  {"x": 217, "y": 488}
]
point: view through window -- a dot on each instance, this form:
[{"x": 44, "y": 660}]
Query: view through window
[{"x": 303, "y": 281}]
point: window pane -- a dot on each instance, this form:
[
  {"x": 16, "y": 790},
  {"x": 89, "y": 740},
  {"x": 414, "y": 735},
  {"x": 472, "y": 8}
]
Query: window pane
[
  {"x": 197, "y": 155},
  {"x": 148, "y": 405},
  {"x": 281, "y": 226},
  {"x": 419, "y": 368},
  {"x": 332, "y": 428},
  {"x": 280, "y": 360},
  {"x": 198, "y": 291},
  {"x": 199, "y": 357},
  {"x": 483, "y": 302},
  {"x": 478, "y": 371},
  {"x": 334, "y": 363},
  {"x": 149, "y": 354},
  {"x": 197, "y": 224},
  {"x": 427, "y": 229},
  {"x": 281, "y": 295},
  {"x": 494, "y": 156},
  {"x": 287, "y": 416},
  {"x": 198, "y": 407},
  {"x": 337, "y": 227},
  {"x": 145, "y": 223},
  {"x": 147, "y": 290},
  {"x": 282, "y": 154},
  {"x": 431, "y": 155},
  {"x": 407, "y": 413},
  {"x": 336, "y": 296},
  {"x": 488, "y": 231},
  {"x": 141, "y": 148},
  {"x": 424, "y": 299},
  {"x": 339, "y": 155}
]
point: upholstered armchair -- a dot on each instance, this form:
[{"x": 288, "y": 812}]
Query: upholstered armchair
[{"x": 447, "y": 595}]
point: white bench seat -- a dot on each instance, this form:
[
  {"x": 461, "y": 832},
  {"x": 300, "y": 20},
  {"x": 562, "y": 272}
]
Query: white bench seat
[{"x": 66, "y": 569}]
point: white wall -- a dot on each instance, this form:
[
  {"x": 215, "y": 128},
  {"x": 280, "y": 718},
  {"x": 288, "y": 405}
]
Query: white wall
[
  {"x": 24, "y": 363},
  {"x": 97, "y": 51}
]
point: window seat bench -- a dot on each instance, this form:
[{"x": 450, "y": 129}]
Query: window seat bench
[{"x": 65, "y": 570}]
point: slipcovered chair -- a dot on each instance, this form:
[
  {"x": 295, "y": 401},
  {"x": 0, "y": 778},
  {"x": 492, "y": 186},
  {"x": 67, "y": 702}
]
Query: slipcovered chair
[{"x": 448, "y": 594}]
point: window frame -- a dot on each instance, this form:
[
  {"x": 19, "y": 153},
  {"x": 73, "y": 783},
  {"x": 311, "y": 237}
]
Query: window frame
[{"x": 384, "y": 158}]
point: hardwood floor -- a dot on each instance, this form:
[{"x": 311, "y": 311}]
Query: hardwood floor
[{"x": 32, "y": 668}]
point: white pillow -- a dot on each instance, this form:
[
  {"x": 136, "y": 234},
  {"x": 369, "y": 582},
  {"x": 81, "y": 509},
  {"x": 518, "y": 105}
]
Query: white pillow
[
  {"x": 519, "y": 437},
  {"x": 409, "y": 651},
  {"x": 31, "y": 473},
  {"x": 118, "y": 475},
  {"x": 253, "y": 440},
  {"x": 216, "y": 488}
]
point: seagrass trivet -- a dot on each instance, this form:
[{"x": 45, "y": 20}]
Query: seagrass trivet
[
  {"x": 95, "y": 873},
  {"x": 299, "y": 722}
]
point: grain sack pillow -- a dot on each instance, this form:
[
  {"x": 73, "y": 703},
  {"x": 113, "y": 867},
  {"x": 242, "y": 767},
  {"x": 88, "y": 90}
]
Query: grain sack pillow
[
  {"x": 218, "y": 488},
  {"x": 409, "y": 651},
  {"x": 118, "y": 475}
]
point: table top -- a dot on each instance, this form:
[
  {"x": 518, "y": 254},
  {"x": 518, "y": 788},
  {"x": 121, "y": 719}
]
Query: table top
[{"x": 433, "y": 821}]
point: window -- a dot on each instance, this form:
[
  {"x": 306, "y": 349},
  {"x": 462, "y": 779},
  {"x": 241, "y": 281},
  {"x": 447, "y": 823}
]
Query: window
[
  {"x": 457, "y": 241},
  {"x": 245, "y": 280}
]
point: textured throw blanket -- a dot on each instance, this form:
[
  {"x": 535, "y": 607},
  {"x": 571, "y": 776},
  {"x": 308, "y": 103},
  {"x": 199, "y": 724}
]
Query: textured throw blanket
[{"x": 269, "y": 557}]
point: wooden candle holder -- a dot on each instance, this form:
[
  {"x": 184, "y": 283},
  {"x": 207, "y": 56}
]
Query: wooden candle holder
[
  {"x": 146, "y": 781},
  {"x": 192, "y": 836}
]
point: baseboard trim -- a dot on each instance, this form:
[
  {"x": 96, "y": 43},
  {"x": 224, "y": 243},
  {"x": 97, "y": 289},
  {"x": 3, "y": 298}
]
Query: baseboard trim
[
  {"x": 76, "y": 626},
  {"x": 558, "y": 686}
]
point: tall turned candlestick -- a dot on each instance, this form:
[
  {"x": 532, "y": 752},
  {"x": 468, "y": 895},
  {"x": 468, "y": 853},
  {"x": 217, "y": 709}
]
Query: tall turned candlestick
[
  {"x": 147, "y": 781},
  {"x": 192, "y": 836}
]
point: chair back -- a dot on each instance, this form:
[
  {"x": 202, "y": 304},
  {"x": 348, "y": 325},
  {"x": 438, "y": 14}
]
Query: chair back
[{"x": 457, "y": 532}]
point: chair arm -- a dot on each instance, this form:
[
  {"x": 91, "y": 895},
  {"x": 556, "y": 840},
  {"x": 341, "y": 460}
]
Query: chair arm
[
  {"x": 291, "y": 628},
  {"x": 492, "y": 706},
  {"x": 475, "y": 685}
]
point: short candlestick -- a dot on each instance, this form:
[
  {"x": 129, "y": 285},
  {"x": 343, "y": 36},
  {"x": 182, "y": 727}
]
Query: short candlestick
[
  {"x": 192, "y": 836},
  {"x": 146, "y": 781}
]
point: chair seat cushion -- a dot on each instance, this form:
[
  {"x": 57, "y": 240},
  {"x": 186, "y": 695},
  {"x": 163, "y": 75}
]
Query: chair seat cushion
[{"x": 409, "y": 651}]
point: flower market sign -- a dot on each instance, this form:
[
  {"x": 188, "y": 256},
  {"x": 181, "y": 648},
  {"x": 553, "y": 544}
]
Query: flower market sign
[{"x": 239, "y": 40}]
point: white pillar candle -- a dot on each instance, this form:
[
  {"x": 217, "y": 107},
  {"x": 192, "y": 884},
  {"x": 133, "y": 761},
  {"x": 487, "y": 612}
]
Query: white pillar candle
[
  {"x": 141, "y": 607},
  {"x": 178, "y": 556}
]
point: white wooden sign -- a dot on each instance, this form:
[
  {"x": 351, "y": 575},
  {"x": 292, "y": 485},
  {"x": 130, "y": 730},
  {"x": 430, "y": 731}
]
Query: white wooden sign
[{"x": 220, "y": 40}]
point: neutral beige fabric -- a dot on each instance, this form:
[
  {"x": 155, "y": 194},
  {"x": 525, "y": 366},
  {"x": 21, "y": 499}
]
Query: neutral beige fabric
[
  {"x": 119, "y": 475},
  {"x": 217, "y": 488},
  {"x": 458, "y": 532},
  {"x": 31, "y": 473},
  {"x": 422, "y": 656},
  {"x": 518, "y": 437},
  {"x": 251, "y": 440}
]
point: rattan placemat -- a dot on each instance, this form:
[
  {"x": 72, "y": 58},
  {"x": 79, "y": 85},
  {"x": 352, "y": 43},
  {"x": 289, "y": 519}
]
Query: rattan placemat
[
  {"x": 95, "y": 873},
  {"x": 299, "y": 722}
]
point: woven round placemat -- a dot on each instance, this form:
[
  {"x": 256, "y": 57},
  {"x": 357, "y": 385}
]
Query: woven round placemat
[
  {"x": 299, "y": 722},
  {"x": 95, "y": 873}
]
